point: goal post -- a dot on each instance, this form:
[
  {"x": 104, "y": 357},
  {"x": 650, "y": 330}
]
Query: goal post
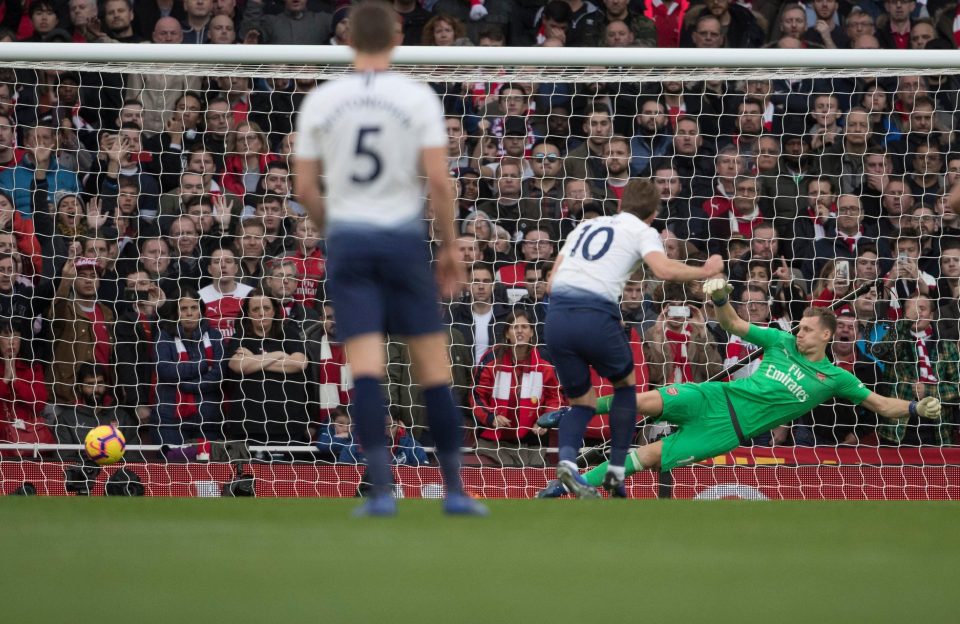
[{"x": 758, "y": 155}]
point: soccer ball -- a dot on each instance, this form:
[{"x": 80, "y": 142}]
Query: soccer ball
[{"x": 105, "y": 444}]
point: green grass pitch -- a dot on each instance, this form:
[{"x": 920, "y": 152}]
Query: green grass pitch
[{"x": 286, "y": 561}]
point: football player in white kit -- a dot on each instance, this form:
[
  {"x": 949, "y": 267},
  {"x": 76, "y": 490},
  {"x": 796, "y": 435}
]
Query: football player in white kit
[
  {"x": 583, "y": 328},
  {"x": 372, "y": 137}
]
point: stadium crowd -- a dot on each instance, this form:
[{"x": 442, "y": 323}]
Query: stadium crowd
[{"x": 156, "y": 270}]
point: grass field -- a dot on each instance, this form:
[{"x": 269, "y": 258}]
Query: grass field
[{"x": 283, "y": 561}]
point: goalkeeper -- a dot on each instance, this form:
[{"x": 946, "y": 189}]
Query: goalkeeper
[{"x": 716, "y": 417}]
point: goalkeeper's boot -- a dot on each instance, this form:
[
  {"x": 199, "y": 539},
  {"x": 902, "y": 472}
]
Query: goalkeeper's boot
[
  {"x": 551, "y": 420},
  {"x": 554, "y": 489},
  {"x": 458, "y": 504},
  {"x": 380, "y": 505},
  {"x": 569, "y": 476},
  {"x": 614, "y": 485}
]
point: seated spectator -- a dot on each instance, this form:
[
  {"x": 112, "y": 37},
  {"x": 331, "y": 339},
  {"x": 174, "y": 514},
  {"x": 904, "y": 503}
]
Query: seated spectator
[
  {"x": 190, "y": 356},
  {"x": 37, "y": 169},
  {"x": 224, "y": 295},
  {"x": 738, "y": 23},
  {"x": 536, "y": 300},
  {"x": 309, "y": 261},
  {"x": 741, "y": 215},
  {"x": 833, "y": 283},
  {"x": 185, "y": 251},
  {"x": 404, "y": 448},
  {"x": 636, "y": 307},
  {"x": 250, "y": 247},
  {"x": 917, "y": 363},
  {"x": 817, "y": 222},
  {"x": 94, "y": 406},
  {"x": 677, "y": 347},
  {"x": 545, "y": 186},
  {"x": 23, "y": 304},
  {"x": 330, "y": 381},
  {"x": 248, "y": 155},
  {"x": 271, "y": 211},
  {"x": 23, "y": 393},
  {"x": 668, "y": 20},
  {"x": 948, "y": 287},
  {"x": 477, "y": 316},
  {"x": 83, "y": 327},
  {"x": 282, "y": 283},
  {"x": 536, "y": 246},
  {"x": 135, "y": 352},
  {"x": 827, "y": 31},
  {"x": 11, "y": 220},
  {"x": 267, "y": 362},
  {"x": 515, "y": 386},
  {"x": 295, "y": 25},
  {"x": 851, "y": 237},
  {"x": 156, "y": 261},
  {"x": 196, "y": 26},
  {"x": 651, "y": 136},
  {"x": 586, "y": 161},
  {"x": 617, "y": 159},
  {"x": 335, "y": 439},
  {"x": 906, "y": 279},
  {"x": 222, "y": 30}
]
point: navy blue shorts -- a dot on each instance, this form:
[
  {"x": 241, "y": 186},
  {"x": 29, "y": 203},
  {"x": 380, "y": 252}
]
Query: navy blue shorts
[
  {"x": 382, "y": 282},
  {"x": 579, "y": 338}
]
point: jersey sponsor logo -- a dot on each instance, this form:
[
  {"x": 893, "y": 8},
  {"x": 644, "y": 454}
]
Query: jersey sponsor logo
[
  {"x": 672, "y": 391},
  {"x": 788, "y": 380}
]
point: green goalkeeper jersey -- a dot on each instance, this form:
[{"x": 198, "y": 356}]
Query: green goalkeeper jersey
[{"x": 787, "y": 385}]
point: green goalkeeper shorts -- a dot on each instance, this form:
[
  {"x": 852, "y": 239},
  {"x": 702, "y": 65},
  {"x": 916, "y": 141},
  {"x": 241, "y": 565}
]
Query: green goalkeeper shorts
[{"x": 704, "y": 427}]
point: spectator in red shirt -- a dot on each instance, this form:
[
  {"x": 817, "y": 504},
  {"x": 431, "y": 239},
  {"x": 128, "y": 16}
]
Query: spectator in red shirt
[
  {"x": 515, "y": 387},
  {"x": 893, "y": 29},
  {"x": 23, "y": 393},
  {"x": 224, "y": 295},
  {"x": 741, "y": 215},
  {"x": 309, "y": 260},
  {"x": 617, "y": 158},
  {"x": 536, "y": 246}
]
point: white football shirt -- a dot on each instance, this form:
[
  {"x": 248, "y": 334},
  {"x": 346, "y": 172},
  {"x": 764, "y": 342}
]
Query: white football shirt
[
  {"x": 368, "y": 129},
  {"x": 600, "y": 255}
]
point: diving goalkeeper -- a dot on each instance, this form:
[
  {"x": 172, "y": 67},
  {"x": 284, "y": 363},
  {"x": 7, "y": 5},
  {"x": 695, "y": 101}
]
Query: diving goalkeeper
[{"x": 716, "y": 417}]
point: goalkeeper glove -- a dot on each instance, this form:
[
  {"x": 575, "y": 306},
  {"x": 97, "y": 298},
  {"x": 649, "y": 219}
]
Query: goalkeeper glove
[
  {"x": 718, "y": 290},
  {"x": 927, "y": 407},
  {"x": 477, "y": 10}
]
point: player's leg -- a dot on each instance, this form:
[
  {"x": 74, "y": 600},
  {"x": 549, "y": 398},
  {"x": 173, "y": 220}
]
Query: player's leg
[
  {"x": 431, "y": 367},
  {"x": 413, "y": 314},
  {"x": 623, "y": 424},
  {"x": 367, "y": 359},
  {"x": 650, "y": 404},
  {"x": 354, "y": 286}
]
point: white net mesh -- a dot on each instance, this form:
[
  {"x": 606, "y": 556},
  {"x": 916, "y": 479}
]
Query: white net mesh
[{"x": 126, "y": 185}]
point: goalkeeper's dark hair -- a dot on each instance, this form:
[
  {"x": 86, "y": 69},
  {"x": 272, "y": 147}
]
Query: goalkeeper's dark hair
[
  {"x": 828, "y": 320},
  {"x": 640, "y": 198},
  {"x": 372, "y": 27}
]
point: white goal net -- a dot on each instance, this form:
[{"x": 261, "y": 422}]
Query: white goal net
[{"x": 147, "y": 225}]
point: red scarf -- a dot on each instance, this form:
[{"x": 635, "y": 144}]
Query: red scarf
[
  {"x": 850, "y": 241},
  {"x": 682, "y": 371},
  {"x": 925, "y": 371},
  {"x": 187, "y": 405}
]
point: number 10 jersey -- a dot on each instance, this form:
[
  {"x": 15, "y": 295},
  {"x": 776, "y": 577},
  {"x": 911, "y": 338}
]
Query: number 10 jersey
[
  {"x": 369, "y": 129},
  {"x": 600, "y": 255}
]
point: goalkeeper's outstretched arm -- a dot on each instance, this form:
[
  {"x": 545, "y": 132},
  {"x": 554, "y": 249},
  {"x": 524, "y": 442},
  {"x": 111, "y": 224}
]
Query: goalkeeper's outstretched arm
[
  {"x": 889, "y": 407},
  {"x": 718, "y": 290}
]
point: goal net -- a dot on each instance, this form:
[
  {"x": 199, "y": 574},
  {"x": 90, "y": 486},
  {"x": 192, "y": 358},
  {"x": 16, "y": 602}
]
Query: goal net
[{"x": 150, "y": 242}]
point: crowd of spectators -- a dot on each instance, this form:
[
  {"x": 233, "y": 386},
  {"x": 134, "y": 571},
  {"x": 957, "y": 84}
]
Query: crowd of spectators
[{"x": 157, "y": 272}]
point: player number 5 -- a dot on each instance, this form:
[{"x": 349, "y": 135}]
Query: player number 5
[{"x": 364, "y": 149}]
